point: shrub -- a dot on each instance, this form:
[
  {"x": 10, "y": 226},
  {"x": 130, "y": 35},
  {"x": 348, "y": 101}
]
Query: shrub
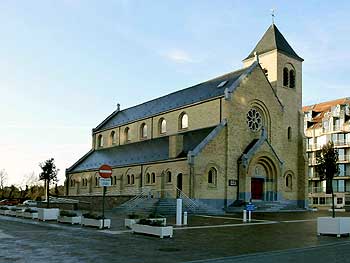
[
  {"x": 92, "y": 216},
  {"x": 4, "y": 208},
  {"x": 29, "y": 210},
  {"x": 67, "y": 213},
  {"x": 155, "y": 215},
  {"x": 133, "y": 216},
  {"x": 150, "y": 222}
]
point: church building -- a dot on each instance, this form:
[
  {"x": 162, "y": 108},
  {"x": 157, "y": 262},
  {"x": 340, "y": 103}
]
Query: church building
[{"x": 238, "y": 136}]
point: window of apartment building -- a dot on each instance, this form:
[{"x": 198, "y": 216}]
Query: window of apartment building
[
  {"x": 162, "y": 126},
  {"x": 336, "y": 124},
  {"x": 311, "y": 172},
  {"x": 113, "y": 137},
  {"x": 341, "y": 169},
  {"x": 341, "y": 154},
  {"x": 339, "y": 201},
  {"x": 341, "y": 186},
  {"x": 322, "y": 200},
  {"x": 315, "y": 201},
  {"x": 143, "y": 131},
  {"x": 183, "y": 121},
  {"x": 325, "y": 126}
]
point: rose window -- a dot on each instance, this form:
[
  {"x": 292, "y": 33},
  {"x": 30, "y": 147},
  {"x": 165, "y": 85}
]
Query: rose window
[{"x": 254, "y": 120}]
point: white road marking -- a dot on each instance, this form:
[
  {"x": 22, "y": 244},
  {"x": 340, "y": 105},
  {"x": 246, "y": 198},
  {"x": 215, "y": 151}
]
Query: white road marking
[
  {"x": 297, "y": 221},
  {"x": 227, "y": 225},
  {"x": 4, "y": 236},
  {"x": 115, "y": 232},
  {"x": 233, "y": 218}
]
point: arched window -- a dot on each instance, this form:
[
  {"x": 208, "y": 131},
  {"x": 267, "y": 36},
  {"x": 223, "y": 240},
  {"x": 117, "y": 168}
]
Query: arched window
[
  {"x": 289, "y": 182},
  {"x": 292, "y": 79},
  {"x": 143, "y": 131},
  {"x": 153, "y": 178},
  {"x": 289, "y": 133},
  {"x": 83, "y": 182},
  {"x": 126, "y": 134},
  {"x": 71, "y": 183},
  {"x": 162, "y": 126},
  {"x": 100, "y": 141},
  {"x": 128, "y": 177},
  {"x": 132, "y": 179},
  {"x": 212, "y": 173},
  {"x": 113, "y": 137},
  {"x": 96, "y": 181},
  {"x": 168, "y": 176},
  {"x": 285, "y": 77},
  {"x": 183, "y": 121}
]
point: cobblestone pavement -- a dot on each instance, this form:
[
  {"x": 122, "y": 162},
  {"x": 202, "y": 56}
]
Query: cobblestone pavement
[{"x": 219, "y": 240}]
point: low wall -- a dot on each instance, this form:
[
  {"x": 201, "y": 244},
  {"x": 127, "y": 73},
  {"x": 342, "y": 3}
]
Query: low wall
[{"x": 94, "y": 203}]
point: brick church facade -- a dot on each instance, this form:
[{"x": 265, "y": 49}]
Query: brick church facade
[{"x": 238, "y": 136}]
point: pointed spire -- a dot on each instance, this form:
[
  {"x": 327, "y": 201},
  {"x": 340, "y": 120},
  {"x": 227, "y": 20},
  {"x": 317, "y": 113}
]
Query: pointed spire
[{"x": 271, "y": 40}]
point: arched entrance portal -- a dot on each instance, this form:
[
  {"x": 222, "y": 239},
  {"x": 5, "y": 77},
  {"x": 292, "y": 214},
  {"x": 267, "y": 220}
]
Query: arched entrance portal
[{"x": 263, "y": 184}]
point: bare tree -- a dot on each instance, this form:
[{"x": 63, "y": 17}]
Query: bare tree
[{"x": 3, "y": 179}]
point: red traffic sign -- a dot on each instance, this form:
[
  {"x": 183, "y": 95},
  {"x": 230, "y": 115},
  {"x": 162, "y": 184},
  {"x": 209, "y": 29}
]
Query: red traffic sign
[{"x": 105, "y": 171}]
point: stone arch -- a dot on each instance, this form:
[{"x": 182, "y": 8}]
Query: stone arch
[
  {"x": 262, "y": 108},
  {"x": 263, "y": 174}
]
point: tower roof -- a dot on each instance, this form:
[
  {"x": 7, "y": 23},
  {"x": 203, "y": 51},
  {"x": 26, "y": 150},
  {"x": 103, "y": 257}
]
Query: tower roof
[{"x": 271, "y": 40}]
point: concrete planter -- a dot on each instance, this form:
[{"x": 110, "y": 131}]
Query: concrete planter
[
  {"x": 71, "y": 220},
  {"x": 128, "y": 222},
  {"x": 336, "y": 226},
  {"x": 4, "y": 212},
  {"x": 30, "y": 215},
  {"x": 95, "y": 222},
  {"x": 19, "y": 213},
  {"x": 11, "y": 213},
  {"x": 46, "y": 214},
  {"x": 161, "y": 231}
]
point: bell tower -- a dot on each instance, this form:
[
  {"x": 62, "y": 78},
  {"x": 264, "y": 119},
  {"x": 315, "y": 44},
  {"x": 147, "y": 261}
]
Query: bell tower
[{"x": 282, "y": 66}]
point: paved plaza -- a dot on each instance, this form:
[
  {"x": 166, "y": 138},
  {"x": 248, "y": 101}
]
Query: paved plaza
[{"x": 270, "y": 237}]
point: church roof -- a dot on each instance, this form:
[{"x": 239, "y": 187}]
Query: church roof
[
  {"x": 139, "y": 152},
  {"x": 194, "y": 94},
  {"x": 271, "y": 40}
]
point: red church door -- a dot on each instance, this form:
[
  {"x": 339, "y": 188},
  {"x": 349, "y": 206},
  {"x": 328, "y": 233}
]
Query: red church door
[{"x": 257, "y": 188}]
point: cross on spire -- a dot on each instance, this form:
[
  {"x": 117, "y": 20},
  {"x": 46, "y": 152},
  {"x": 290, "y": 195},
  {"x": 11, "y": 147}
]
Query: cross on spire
[{"x": 273, "y": 15}]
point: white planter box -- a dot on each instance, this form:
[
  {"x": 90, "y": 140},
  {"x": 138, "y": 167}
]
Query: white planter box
[
  {"x": 128, "y": 222},
  {"x": 30, "y": 215},
  {"x": 4, "y": 212},
  {"x": 95, "y": 222},
  {"x": 336, "y": 226},
  {"x": 161, "y": 231},
  {"x": 71, "y": 220},
  {"x": 48, "y": 213},
  {"x": 19, "y": 213},
  {"x": 11, "y": 213}
]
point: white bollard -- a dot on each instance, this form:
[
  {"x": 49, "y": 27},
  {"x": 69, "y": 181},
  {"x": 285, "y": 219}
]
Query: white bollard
[
  {"x": 244, "y": 216},
  {"x": 185, "y": 218},
  {"x": 179, "y": 212},
  {"x": 249, "y": 216}
]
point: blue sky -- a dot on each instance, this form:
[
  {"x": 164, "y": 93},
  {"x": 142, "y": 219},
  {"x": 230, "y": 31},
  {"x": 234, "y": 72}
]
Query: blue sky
[{"x": 66, "y": 64}]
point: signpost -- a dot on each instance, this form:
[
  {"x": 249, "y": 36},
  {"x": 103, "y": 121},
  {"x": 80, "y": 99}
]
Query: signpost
[
  {"x": 250, "y": 207},
  {"x": 105, "y": 171}
]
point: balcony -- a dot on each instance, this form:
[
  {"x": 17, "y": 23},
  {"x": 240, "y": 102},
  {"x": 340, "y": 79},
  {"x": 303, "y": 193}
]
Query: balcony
[
  {"x": 341, "y": 143},
  {"x": 344, "y": 158},
  {"x": 317, "y": 189}
]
